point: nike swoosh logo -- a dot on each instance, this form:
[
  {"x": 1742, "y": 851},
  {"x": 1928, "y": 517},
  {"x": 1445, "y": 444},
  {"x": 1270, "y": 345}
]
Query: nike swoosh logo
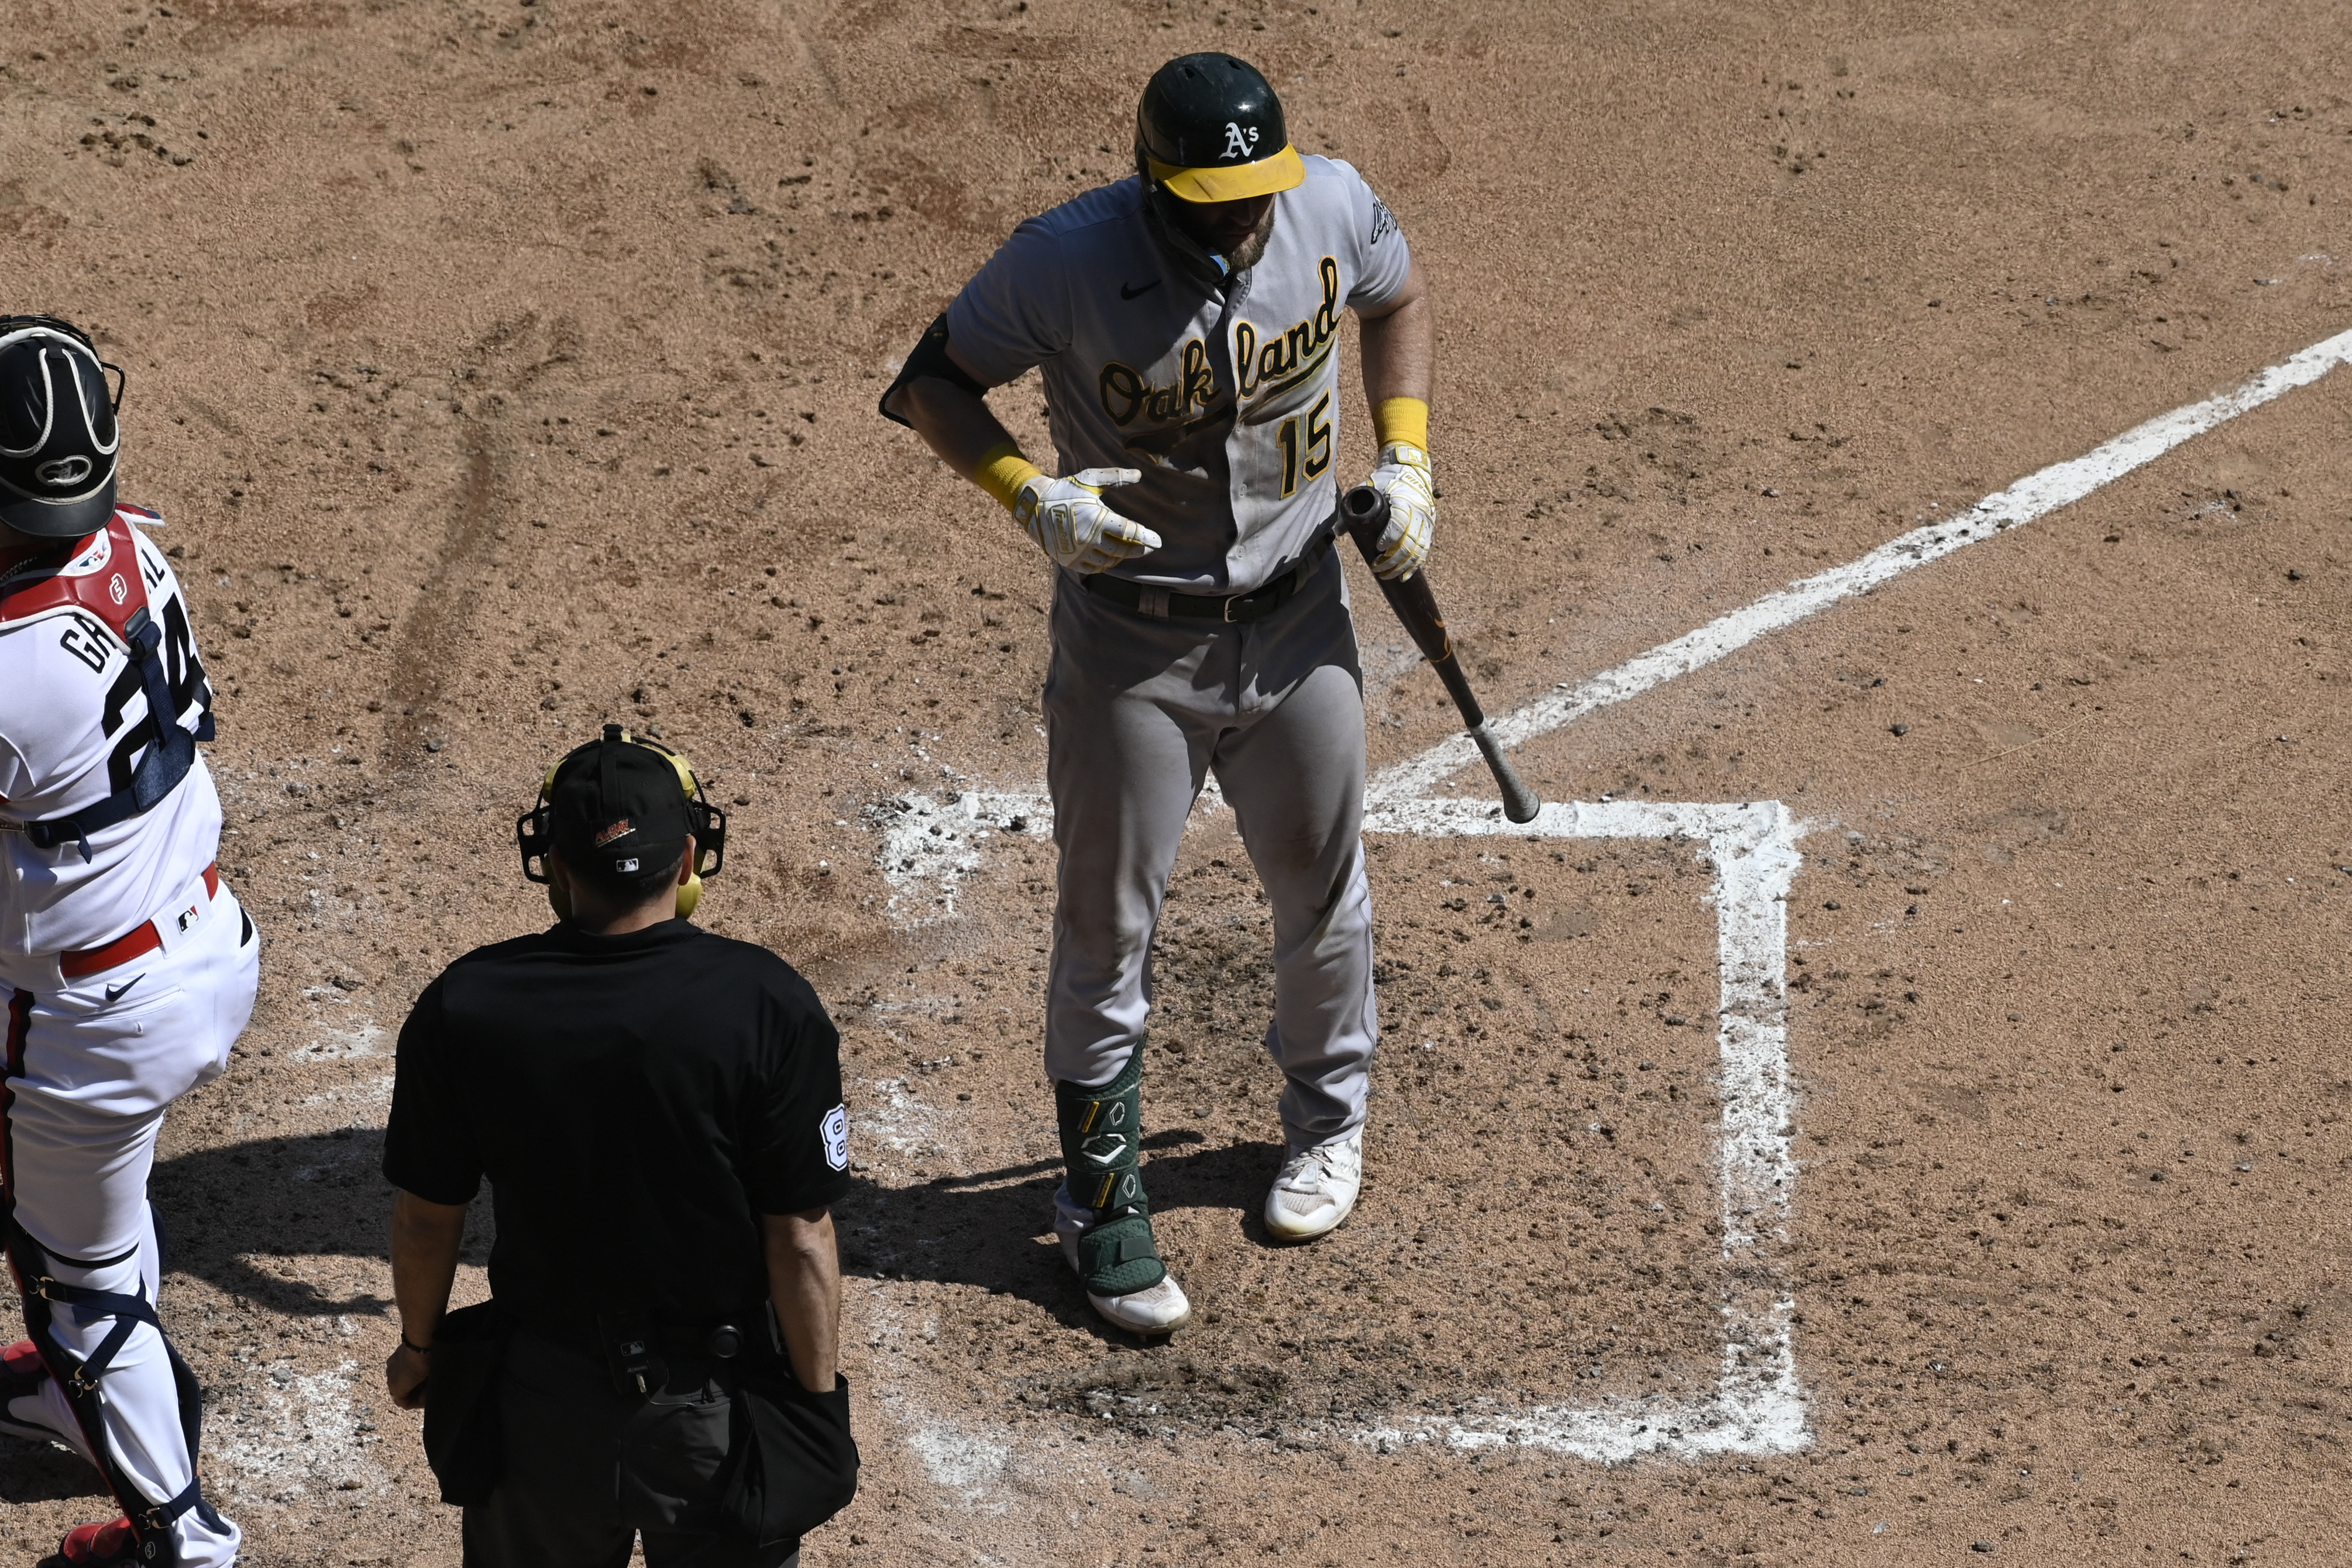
[
  {"x": 1126, "y": 292},
  {"x": 114, "y": 992}
]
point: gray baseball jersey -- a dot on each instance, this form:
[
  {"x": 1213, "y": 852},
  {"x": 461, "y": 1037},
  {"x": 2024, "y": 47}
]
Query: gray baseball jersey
[{"x": 1228, "y": 405}]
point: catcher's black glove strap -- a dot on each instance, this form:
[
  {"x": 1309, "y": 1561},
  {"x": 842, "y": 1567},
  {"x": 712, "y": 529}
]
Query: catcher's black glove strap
[{"x": 1239, "y": 607}]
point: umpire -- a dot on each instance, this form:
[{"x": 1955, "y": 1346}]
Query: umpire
[{"x": 658, "y": 1111}]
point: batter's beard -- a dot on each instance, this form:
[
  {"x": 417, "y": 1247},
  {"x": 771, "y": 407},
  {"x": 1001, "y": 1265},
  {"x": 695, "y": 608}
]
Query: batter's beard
[{"x": 1252, "y": 251}]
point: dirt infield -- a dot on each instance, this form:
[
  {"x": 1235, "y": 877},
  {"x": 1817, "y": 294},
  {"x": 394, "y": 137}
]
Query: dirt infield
[{"x": 507, "y": 367}]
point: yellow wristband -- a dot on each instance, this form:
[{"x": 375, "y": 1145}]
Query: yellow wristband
[
  {"x": 1002, "y": 471},
  {"x": 1403, "y": 419}
]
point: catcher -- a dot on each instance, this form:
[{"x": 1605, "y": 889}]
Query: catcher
[{"x": 131, "y": 965}]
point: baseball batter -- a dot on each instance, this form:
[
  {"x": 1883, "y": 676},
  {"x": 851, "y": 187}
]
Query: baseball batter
[
  {"x": 1187, "y": 324},
  {"x": 128, "y": 967}
]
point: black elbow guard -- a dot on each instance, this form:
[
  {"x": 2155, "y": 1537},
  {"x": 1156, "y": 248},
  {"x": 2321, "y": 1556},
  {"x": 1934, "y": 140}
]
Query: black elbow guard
[{"x": 930, "y": 358}]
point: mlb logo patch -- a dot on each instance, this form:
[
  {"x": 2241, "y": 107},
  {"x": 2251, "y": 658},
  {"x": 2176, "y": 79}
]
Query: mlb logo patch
[{"x": 190, "y": 916}]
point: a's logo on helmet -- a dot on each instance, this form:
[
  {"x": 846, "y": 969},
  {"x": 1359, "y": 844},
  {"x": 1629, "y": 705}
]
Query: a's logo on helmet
[
  {"x": 63, "y": 473},
  {"x": 1240, "y": 143},
  {"x": 116, "y": 589}
]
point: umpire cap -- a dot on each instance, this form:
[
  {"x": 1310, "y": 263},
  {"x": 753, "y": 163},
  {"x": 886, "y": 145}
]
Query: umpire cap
[
  {"x": 57, "y": 431},
  {"x": 1210, "y": 130},
  {"x": 620, "y": 808}
]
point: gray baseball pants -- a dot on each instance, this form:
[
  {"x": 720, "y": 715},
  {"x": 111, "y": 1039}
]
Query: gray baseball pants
[{"x": 1139, "y": 712}]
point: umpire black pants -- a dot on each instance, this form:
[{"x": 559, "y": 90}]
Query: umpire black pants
[{"x": 585, "y": 1466}]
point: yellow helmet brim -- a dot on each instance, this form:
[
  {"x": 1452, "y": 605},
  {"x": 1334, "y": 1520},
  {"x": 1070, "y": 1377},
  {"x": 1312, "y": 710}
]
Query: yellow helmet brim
[{"x": 1281, "y": 172}]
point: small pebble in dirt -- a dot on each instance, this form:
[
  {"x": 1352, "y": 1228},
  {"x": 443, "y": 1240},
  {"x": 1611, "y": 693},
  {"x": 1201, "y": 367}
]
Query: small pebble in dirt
[
  {"x": 1898, "y": 729},
  {"x": 1832, "y": 905},
  {"x": 2295, "y": 576},
  {"x": 1983, "y": 1546},
  {"x": 1771, "y": 491}
]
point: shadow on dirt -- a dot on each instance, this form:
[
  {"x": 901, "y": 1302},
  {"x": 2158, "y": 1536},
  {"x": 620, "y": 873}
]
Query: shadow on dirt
[
  {"x": 985, "y": 1230},
  {"x": 33, "y": 1471},
  {"x": 226, "y": 1211},
  {"x": 279, "y": 1197}
]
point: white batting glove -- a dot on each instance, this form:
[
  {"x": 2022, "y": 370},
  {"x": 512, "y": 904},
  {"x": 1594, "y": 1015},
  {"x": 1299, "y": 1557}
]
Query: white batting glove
[
  {"x": 1403, "y": 479},
  {"x": 1068, "y": 519}
]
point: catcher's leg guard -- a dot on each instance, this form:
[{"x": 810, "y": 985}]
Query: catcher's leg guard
[
  {"x": 76, "y": 1378},
  {"x": 1102, "y": 1130},
  {"x": 81, "y": 1100}
]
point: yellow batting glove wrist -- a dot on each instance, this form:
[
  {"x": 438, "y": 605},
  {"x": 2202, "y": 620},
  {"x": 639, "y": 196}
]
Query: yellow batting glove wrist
[
  {"x": 1402, "y": 420},
  {"x": 1003, "y": 473}
]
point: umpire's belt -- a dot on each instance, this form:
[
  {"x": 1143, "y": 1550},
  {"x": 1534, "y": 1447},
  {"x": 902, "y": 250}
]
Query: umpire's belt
[{"x": 1250, "y": 606}]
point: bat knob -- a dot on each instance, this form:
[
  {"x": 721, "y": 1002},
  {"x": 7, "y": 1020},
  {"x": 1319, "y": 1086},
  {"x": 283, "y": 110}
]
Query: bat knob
[{"x": 1363, "y": 507}]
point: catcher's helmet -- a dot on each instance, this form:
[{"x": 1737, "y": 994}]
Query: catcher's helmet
[
  {"x": 57, "y": 432},
  {"x": 1210, "y": 130}
]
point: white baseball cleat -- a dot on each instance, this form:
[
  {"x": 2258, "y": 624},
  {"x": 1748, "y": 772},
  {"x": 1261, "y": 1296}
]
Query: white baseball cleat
[
  {"x": 1316, "y": 1189},
  {"x": 1161, "y": 1308}
]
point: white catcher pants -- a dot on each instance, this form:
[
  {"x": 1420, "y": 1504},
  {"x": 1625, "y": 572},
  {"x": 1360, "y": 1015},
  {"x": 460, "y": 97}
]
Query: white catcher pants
[
  {"x": 1139, "y": 712},
  {"x": 87, "y": 1083}
]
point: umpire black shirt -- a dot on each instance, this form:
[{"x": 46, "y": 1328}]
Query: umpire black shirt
[{"x": 637, "y": 1102}]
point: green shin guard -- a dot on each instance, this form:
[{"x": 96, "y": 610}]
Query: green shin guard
[{"x": 1102, "y": 1131}]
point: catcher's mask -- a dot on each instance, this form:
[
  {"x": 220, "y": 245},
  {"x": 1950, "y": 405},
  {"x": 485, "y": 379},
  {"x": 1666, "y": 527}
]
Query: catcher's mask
[{"x": 626, "y": 801}]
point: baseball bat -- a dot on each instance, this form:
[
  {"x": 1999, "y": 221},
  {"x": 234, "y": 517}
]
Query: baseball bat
[{"x": 1363, "y": 513}]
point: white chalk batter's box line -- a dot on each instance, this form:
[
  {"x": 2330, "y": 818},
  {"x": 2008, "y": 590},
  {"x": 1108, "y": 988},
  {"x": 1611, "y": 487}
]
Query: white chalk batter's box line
[{"x": 1757, "y": 1406}]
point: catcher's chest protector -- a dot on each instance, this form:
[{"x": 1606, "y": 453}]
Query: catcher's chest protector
[
  {"x": 101, "y": 580},
  {"x": 102, "y": 587}
]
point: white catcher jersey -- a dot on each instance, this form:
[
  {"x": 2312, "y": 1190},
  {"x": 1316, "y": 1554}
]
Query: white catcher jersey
[
  {"x": 1228, "y": 405},
  {"x": 71, "y": 713}
]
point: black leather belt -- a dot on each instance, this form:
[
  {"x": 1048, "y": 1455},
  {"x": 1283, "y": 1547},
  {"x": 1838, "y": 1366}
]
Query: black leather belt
[
  {"x": 744, "y": 1334},
  {"x": 1235, "y": 608}
]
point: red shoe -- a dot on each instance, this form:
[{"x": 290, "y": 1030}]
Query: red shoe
[
  {"x": 21, "y": 1370},
  {"x": 100, "y": 1543}
]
